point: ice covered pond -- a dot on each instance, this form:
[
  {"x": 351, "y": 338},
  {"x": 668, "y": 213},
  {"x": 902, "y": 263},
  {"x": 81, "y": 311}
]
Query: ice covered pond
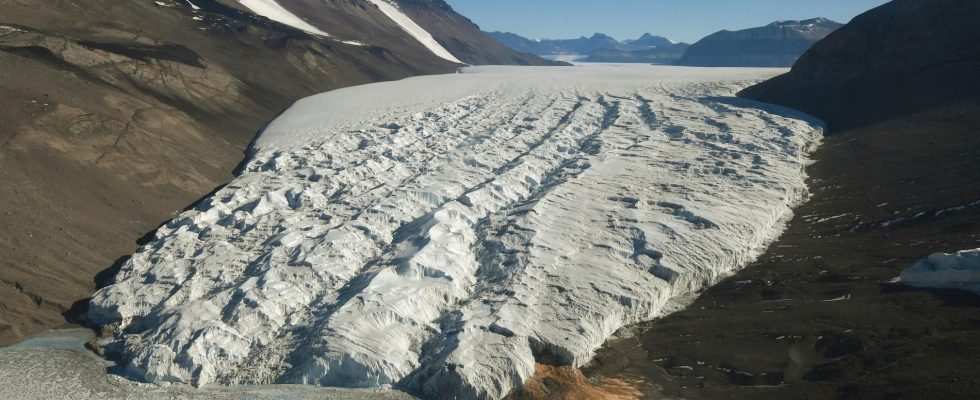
[{"x": 443, "y": 234}]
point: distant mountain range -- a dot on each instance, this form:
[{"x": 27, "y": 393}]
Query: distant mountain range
[
  {"x": 658, "y": 55},
  {"x": 778, "y": 44},
  {"x": 599, "y": 48},
  {"x": 582, "y": 45}
]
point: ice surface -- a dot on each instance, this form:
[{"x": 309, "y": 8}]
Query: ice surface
[
  {"x": 56, "y": 365},
  {"x": 444, "y": 233},
  {"x": 941, "y": 270},
  {"x": 415, "y": 30},
  {"x": 272, "y": 10}
]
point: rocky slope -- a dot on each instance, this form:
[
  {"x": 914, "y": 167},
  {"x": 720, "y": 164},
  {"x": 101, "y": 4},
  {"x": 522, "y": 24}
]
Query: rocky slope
[
  {"x": 775, "y": 45},
  {"x": 119, "y": 114},
  {"x": 903, "y": 57}
]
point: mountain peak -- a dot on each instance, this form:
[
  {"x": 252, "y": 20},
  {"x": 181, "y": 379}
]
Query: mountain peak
[
  {"x": 584, "y": 45},
  {"x": 778, "y": 44},
  {"x": 651, "y": 40}
]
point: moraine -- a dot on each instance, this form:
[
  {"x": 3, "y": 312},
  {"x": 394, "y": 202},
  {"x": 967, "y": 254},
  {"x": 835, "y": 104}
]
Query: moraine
[{"x": 444, "y": 234}]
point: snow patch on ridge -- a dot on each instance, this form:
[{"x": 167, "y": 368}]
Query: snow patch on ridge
[
  {"x": 415, "y": 30},
  {"x": 445, "y": 233}
]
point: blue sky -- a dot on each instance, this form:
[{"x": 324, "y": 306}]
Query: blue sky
[{"x": 680, "y": 20}]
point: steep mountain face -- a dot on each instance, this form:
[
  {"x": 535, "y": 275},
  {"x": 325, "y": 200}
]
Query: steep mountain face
[
  {"x": 583, "y": 45},
  {"x": 116, "y": 115},
  {"x": 905, "y": 56},
  {"x": 668, "y": 54},
  {"x": 778, "y": 44}
]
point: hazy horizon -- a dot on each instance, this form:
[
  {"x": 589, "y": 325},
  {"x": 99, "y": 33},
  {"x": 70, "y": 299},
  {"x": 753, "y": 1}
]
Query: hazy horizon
[{"x": 679, "y": 20}]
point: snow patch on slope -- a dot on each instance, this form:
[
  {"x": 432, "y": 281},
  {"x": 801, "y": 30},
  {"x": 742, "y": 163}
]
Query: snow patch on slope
[
  {"x": 415, "y": 30},
  {"x": 272, "y": 10},
  {"x": 445, "y": 233},
  {"x": 941, "y": 270}
]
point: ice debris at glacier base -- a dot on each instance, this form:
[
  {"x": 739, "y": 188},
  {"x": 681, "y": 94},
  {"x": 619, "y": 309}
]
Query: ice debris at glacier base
[
  {"x": 57, "y": 365},
  {"x": 443, "y": 234},
  {"x": 951, "y": 271}
]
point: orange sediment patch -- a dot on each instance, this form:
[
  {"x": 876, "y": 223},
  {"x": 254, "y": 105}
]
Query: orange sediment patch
[{"x": 551, "y": 382}]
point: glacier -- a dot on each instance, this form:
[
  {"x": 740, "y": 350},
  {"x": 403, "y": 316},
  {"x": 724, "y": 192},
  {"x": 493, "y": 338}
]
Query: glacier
[{"x": 444, "y": 234}]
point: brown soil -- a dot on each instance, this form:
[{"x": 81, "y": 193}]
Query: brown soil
[{"x": 550, "y": 382}]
